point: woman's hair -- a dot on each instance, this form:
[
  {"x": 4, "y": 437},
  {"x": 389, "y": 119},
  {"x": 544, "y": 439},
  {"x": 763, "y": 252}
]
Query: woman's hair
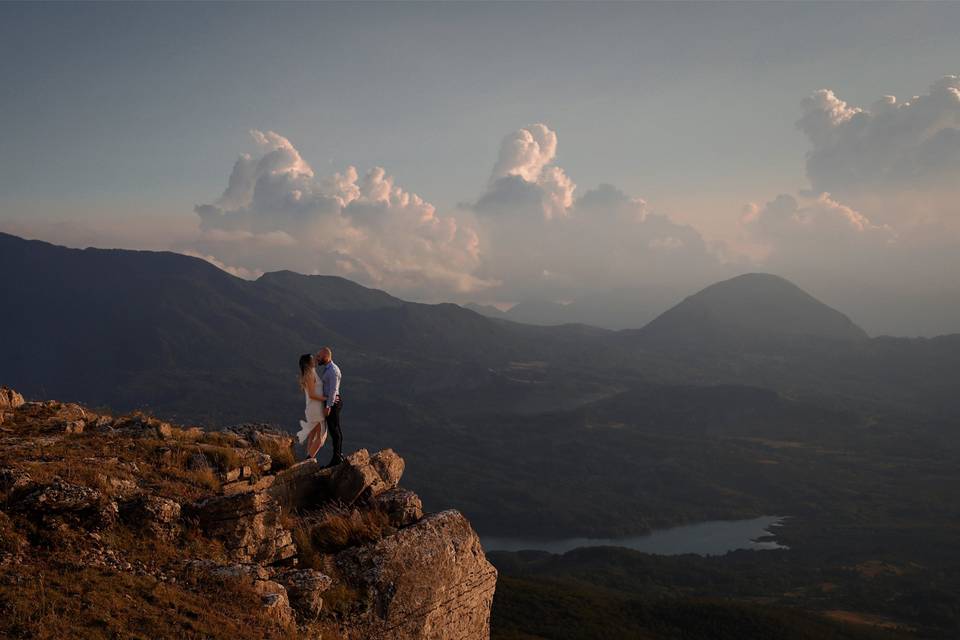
[{"x": 306, "y": 366}]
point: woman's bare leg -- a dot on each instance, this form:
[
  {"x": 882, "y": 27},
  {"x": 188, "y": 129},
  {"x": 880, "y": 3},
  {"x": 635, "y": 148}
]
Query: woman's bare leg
[{"x": 314, "y": 443}]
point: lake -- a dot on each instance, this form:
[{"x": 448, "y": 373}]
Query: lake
[{"x": 714, "y": 537}]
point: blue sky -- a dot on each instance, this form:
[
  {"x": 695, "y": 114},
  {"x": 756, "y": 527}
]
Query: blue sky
[{"x": 138, "y": 111}]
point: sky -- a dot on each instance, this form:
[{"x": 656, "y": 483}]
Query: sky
[{"x": 501, "y": 152}]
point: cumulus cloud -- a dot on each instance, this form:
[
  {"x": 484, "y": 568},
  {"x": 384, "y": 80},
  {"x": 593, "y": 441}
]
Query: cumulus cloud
[
  {"x": 524, "y": 173},
  {"x": 817, "y": 230},
  {"x": 541, "y": 241},
  {"x": 276, "y": 213},
  {"x": 898, "y": 160},
  {"x": 526, "y": 235}
]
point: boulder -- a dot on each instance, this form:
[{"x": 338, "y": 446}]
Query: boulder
[
  {"x": 249, "y": 525},
  {"x": 356, "y": 477},
  {"x": 139, "y": 425},
  {"x": 68, "y": 418},
  {"x": 429, "y": 580},
  {"x": 10, "y": 399},
  {"x": 361, "y": 476},
  {"x": 13, "y": 481},
  {"x": 71, "y": 503},
  {"x": 303, "y": 485},
  {"x": 257, "y": 432},
  {"x": 158, "y": 516},
  {"x": 247, "y": 485},
  {"x": 389, "y": 465},
  {"x": 401, "y": 505},
  {"x": 276, "y": 605},
  {"x": 305, "y": 589}
]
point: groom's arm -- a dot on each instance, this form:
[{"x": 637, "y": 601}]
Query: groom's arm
[{"x": 332, "y": 382}]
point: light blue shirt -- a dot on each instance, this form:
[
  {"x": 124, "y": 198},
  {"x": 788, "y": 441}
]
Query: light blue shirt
[{"x": 330, "y": 379}]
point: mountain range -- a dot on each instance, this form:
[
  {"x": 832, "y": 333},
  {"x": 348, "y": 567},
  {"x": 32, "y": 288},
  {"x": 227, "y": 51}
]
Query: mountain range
[{"x": 179, "y": 337}]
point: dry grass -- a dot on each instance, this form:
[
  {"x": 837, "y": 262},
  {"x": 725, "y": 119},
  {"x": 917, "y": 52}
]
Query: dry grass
[
  {"x": 335, "y": 528},
  {"x": 94, "y": 603},
  {"x": 340, "y": 599},
  {"x": 55, "y": 593},
  {"x": 223, "y": 458},
  {"x": 282, "y": 457},
  {"x": 10, "y": 541}
]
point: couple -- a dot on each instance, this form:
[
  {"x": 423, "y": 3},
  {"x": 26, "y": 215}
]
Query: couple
[{"x": 320, "y": 381}]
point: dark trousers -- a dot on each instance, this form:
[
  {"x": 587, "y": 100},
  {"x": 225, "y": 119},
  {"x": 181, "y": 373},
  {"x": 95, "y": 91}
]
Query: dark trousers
[{"x": 333, "y": 426}]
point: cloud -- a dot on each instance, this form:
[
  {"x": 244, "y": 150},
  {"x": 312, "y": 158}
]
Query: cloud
[
  {"x": 880, "y": 224},
  {"x": 240, "y": 272},
  {"x": 525, "y": 236},
  {"x": 817, "y": 230},
  {"x": 898, "y": 160},
  {"x": 541, "y": 241},
  {"x": 524, "y": 173},
  {"x": 276, "y": 213}
]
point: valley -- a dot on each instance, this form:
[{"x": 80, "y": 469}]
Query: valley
[{"x": 556, "y": 432}]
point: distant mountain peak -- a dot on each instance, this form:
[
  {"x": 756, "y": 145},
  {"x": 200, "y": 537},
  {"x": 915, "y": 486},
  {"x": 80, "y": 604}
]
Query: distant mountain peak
[
  {"x": 332, "y": 292},
  {"x": 753, "y": 305}
]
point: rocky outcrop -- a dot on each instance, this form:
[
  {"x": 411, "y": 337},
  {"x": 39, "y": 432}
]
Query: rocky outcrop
[
  {"x": 9, "y": 399},
  {"x": 156, "y": 516},
  {"x": 429, "y": 580},
  {"x": 249, "y": 525},
  {"x": 305, "y": 588},
  {"x": 327, "y": 552},
  {"x": 401, "y": 505},
  {"x": 361, "y": 477},
  {"x": 65, "y": 503}
]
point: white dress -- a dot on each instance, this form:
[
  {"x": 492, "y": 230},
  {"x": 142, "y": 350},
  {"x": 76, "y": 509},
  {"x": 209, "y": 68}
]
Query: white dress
[{"x": 314, "y": 413}]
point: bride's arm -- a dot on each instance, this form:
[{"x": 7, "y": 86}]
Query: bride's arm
[{"x": 312, "y": 390}]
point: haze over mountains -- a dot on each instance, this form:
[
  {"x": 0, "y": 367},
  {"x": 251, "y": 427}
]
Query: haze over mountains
[
  {"x": 747, "y": 398},
  {"x": 458, "y": 392}
]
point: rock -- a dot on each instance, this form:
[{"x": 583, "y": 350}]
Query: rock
[
  {"x": 252, "y": 572},
  {"x": 143, "y": 426},
  {"x": 356, "y": 478},
  {"x": 158, "y": 516},
  {"x": 120, "y": 488},
  {"x": 71, "y": 503},
  {"x": 13, "y": 481},
  {"x": 389, "y": 465},
  {"x": 306, "y": 484},
  {"x": 273, "y": 595},
  {"x": 67, "y": 418},
  {"x": 303, "y": 485},
  {"x": 241, "y": 486},
  {"x": 249, "y": 524},
  {"x": 277, "y": 606},
  {"x": 305, "y": 589},
  {"x": 257, "y": 432},
  {"x": 429, "y": 580},
  {"x": 10, "y": 399},
  {"x": 402, "y": 505}
]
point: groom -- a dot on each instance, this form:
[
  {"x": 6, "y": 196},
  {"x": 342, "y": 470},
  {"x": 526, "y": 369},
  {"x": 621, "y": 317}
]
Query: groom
[{"x": 329, "y": 374}]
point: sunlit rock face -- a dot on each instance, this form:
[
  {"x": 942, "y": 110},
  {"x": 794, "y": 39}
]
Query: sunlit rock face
[{"x": 229, "y": 518}]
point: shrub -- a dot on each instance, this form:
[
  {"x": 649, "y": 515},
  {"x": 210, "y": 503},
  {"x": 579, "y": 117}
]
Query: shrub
[
  {"x": 335, "y": 527},
  {"x": 281, "y": 456}
]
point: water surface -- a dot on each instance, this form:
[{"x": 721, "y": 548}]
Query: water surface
[{"x": 714, "y": 537}]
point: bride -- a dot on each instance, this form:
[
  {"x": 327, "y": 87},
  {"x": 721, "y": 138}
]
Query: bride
[{"x": 313, "y": 430}]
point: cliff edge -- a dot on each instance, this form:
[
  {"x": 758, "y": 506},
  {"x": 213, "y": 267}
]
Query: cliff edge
[{"x": 131, "y": 526}]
